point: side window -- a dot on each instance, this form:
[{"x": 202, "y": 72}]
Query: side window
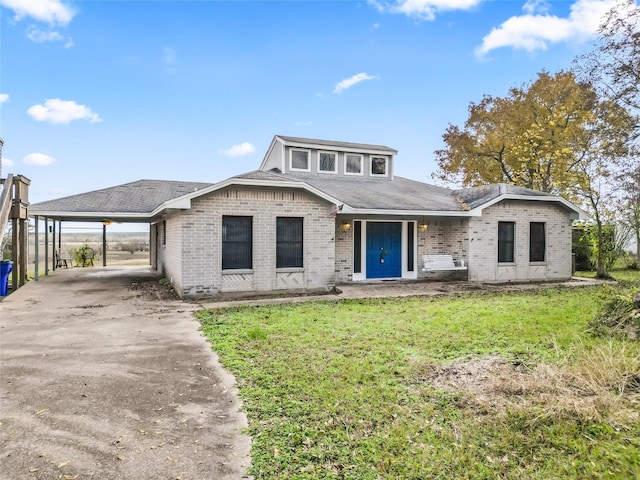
[
  {"x": 379, "y": 166},
  {"x": 327, "y": 162},
  {"x": 353, "y": 164},
  {"x": 537, "y": 242},
  {"x": 163, "y": 233},
  {"x": 289, "y": 247},
  {"x": 506, "y": 242},
  {"x": 299, "y": 160},
  {"x": 237, "y": 242}
]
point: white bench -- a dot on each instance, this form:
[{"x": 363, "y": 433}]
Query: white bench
[{"x": 438, "y": 263}]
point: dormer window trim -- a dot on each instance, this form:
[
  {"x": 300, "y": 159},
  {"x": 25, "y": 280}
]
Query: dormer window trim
[
  {"x": 335, "y": 162},
  {"x": 346, "y": 162},
  {"x": 294, "y": 169},
  {"x": 386, "y": 166}
]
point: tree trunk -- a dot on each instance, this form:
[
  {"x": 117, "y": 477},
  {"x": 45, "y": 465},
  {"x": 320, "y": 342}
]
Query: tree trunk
[{"x": 601, "y": 271}]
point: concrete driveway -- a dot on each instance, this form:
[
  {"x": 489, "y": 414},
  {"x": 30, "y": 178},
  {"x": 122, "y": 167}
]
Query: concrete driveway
[{"x": 103, "y": 375}]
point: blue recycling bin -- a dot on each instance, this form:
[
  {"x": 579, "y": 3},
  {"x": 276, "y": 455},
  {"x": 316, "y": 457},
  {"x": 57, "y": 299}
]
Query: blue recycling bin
[{"x": 5, "y": 270}]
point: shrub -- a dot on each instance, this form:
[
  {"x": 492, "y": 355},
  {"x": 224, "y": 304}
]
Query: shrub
[{"x": 81, "y": 253}]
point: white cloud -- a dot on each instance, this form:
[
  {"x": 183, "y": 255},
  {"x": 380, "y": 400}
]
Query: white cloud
[
  {"x": 536, "y": 6},
  {"x": 240, "y": 150},
  {"x": 53, "y": 12},
  {"x": 42, "y": 36},
  {"x": 7, "y": 162},
  {"x": 347, "y": 83},
  {"x": 4, "y": 98},
  {"x": 536, "y": 31},
  {"x": 55, "y": 110},
  {"x": 38, "y": 159},
  {"x": 423, "y": 9}
]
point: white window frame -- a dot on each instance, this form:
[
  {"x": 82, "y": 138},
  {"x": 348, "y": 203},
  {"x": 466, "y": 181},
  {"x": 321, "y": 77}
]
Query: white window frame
[
  {"x": 386, "y": 166},
  {"x": 361, "y": 172},
  {"x": 335, "y": 163},
  {"x": 308, "y": 152}
]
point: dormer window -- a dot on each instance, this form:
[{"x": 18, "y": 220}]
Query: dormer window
[
  {"x": 327, "y": 162},
  {"x": 379, "y": 166},
  {"x": 353, "y": 164},
  {"x": 299, "y": 160}
]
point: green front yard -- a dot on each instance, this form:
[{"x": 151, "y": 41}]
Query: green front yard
[{"x": 475, "y": 386}]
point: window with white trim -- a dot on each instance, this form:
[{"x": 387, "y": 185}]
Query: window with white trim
[
  {"x": 299, "y": 160},
  {"x": 327, "y": 162},
  {"x": 379, "y": 166},
  {"x": 353, "y": 164}
]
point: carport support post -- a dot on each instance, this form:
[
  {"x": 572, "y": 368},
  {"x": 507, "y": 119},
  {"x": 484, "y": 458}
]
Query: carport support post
[
  {"x": 36, "y": 247},
  {"x": 16, "y": 253},
  {"x": 104, "y": 244},
  {"x": 23, "y": 222},
  {"x": 53, "y": 244},
  {"x": 59, "y": 235},
  {"x": 46, "y": 246}
]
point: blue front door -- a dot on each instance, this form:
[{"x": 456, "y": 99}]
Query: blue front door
[{"x": 384, "y": 249}]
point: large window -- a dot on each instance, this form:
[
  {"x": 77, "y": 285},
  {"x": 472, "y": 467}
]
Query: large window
[
  {"x": 289, "y": 252},
  {"x": 237, "y": 240},
  {"x": 299, "y": 160},
  {"x": 506, "y": 241},
  {"x": 353, "y": 165},
  {"x": 379, "y": 166},
  {"x": 537, "y": 243},
  {"x": 327, "y": 162}
]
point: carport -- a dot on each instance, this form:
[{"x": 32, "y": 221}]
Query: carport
[{"x": 142, "y": 201}]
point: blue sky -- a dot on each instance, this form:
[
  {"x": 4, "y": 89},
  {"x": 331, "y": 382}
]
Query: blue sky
[{"x": 98, "y": 93}]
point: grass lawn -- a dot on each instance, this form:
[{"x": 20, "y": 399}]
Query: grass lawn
[{"x": 476, "y": 386}]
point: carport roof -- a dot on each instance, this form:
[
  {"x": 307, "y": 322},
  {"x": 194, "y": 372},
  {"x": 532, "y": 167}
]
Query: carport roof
[{"x": 130, "y": 202}]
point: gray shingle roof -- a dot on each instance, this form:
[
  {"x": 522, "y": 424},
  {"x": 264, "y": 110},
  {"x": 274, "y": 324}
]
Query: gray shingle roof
[
  {"x": 398, "y": 194},
  {"x": 265, "y": 175},
  {"x": 340, "y": 145},
  {"x": 130, "y": 201},
  {"x": 142, "y": 196},
  {"x": 477, "y": 196}
]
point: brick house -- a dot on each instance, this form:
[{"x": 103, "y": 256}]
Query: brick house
[{"x": 319, "y": 213}]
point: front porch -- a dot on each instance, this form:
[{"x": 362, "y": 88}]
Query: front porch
[{"x": 393, "y": 249}]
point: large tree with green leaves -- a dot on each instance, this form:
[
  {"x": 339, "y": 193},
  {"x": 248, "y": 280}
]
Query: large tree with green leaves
[{"x": 554, "y": 135}]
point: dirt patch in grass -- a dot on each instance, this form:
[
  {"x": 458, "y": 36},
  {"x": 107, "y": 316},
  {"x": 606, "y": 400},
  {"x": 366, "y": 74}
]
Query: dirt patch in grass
[{"x": 602, "y": 385}]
